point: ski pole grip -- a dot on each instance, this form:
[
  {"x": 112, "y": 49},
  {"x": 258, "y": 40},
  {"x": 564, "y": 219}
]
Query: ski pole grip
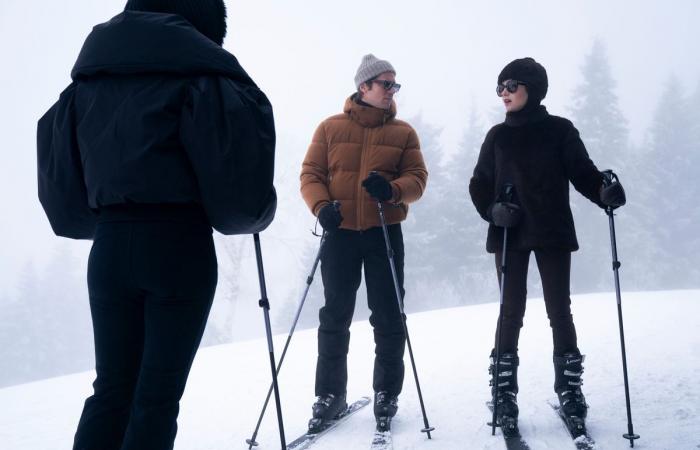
[{"x": 609, "y": 177}]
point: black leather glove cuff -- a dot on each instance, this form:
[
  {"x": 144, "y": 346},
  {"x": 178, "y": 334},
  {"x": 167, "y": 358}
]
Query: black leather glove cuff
[
  {"x": 613, "y": 195},
  {"x": 504, "y": 214},
  {"x": 329, "y": 217}
]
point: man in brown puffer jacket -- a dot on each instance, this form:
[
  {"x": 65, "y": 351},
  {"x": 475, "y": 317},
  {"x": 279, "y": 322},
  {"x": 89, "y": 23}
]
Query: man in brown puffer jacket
[{"x": 358, "y": 158}]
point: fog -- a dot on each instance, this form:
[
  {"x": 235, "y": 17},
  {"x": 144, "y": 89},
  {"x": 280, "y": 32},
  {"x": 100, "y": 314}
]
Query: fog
[{"x": 447, "y": 55}]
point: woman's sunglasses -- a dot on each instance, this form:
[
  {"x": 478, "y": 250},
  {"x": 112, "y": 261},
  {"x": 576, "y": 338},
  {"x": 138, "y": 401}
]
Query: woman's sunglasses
[{"x": 511, "y": 85}]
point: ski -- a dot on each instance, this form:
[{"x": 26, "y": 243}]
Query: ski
[
  {"x": 382, "y": 440},
  {"x": 382, "y": 435},
  {"x": 513, "y": 439},
  {"x": 576, "y": 428},
  {"x": 308, "y": 438}
]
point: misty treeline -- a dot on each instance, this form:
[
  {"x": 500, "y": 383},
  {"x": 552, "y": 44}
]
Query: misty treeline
[
  {"x": 657, "y": 231},
  {"x": 45, "y": 328}
]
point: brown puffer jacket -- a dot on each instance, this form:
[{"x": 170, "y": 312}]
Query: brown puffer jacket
[{"x": 346, "y": 148}]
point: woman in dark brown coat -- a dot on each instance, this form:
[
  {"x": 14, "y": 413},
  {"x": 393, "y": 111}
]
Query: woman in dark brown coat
[{"x": 521, "y": 182}]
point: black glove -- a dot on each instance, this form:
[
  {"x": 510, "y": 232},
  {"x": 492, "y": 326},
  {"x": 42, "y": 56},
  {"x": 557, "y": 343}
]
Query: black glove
[
  {"x": 612, "y": 193},
  {"x": 329, "y": 217},
  {"x": 378, "y": 187},
  {"x": 504, "y": 214}
]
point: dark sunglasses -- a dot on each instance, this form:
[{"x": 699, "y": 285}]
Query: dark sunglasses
[
  {"x": 388, "y": 85},
  {"x": 511, "y": 85}
]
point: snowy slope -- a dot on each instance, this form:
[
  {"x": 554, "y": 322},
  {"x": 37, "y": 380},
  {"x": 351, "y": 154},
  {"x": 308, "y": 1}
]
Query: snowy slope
[{"x": 228, "y": 383}]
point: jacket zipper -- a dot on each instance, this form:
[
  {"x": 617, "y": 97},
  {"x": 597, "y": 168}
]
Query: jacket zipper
[{"x": 360, "y": 200}]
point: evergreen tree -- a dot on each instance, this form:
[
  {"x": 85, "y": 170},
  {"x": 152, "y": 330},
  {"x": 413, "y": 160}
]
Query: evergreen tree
[
  {"x": 314, "y": 299},
  {"x": 475, "y": 275},
  {"x": 230, "y": 252},
  {"x": 64, "y": 324},
  {"x": 596, "y": 112},
  {"x": 429, "y": 230},
  {"x": 31, "y": 351},
  {"x": 603, "y": 129},
  {"x": 50, "y": 330},
  {"x": 638, "y": 242},
  {"x": 16, "y": 330},
  {"x": 693, "y": 213},
  {"x": 674, "y": 160}
]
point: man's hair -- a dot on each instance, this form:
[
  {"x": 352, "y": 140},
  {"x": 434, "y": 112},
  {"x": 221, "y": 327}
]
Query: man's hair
[{"x": 369, "y": 85}]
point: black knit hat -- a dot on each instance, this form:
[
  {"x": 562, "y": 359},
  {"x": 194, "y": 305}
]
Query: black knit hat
[
  {"x": 529, "y": 72},
  {"x": 207, "y": 16}
]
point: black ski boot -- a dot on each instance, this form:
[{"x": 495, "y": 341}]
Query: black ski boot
[
  {"x": 385, "y": 407},
  {"x": 568, "y": 369},
  {"x": 326, "y": 407},
  {"x": 506, "y": 392}
]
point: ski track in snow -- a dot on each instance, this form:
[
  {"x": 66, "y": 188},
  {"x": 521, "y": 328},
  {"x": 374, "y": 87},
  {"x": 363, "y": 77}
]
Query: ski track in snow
[{"x": 228, "y": 383}]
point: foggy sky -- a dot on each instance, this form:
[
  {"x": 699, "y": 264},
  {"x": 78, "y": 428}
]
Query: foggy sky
[{"x": 304, "y": 56}]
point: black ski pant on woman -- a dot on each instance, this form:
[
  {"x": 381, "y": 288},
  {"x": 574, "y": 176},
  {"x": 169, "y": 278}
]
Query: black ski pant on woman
[
  {"x": 555, "y": 271},
  {"x": 344, "y": 254},
  {"x": 151, "y": 279}
]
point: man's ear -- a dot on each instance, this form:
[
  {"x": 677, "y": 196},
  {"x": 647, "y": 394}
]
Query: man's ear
[{"x": 364, "y": 87}]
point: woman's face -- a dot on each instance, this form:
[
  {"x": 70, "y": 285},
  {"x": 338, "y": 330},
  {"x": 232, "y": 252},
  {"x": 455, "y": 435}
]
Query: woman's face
[{"x": 514, "y": 101}]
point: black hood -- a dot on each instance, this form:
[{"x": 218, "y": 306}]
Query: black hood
[{"x": 136, "y": 42}]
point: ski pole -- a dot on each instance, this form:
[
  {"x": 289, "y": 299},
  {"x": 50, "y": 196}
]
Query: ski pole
[
  {"x": 265, "y": 305},
  {"x": 252, "y": 443},
  {"x": 610, "y": 177},
  {"x": 390, "y": 255},
  {"x": 508, "y": 193},
  {"x": 498, "y": 339}
]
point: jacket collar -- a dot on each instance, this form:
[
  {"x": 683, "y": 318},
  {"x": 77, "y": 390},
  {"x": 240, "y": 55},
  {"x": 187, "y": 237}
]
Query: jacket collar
[
  {"x": 368, "y": 116},
  {"x": 143, "y": 42},
  {"x": 526, "y": 116}
]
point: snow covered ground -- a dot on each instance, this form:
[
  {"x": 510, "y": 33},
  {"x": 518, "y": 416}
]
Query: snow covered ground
[{"x": 228, "y": 383}]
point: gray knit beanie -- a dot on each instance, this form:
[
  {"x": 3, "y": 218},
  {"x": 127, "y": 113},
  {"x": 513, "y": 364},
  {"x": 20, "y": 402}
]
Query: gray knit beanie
[{"x": 371, "y": 67}]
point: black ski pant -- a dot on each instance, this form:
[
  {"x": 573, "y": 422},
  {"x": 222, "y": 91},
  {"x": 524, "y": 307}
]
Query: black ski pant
[
  {"x": 151, "y": 285},
  {"x": 555, "y": 271},
  {"x": 343, "y": 256}
]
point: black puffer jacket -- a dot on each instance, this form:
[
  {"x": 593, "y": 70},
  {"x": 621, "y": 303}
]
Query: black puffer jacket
[
  {"x": 538, "y": 156},
  {"x": 157, "y": 113}
]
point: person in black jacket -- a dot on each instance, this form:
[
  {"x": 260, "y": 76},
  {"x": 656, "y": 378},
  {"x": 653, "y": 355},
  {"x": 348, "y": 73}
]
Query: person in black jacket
[
  {"x": 160, "y": 137},
  {"x": 536, "y": 155}
]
